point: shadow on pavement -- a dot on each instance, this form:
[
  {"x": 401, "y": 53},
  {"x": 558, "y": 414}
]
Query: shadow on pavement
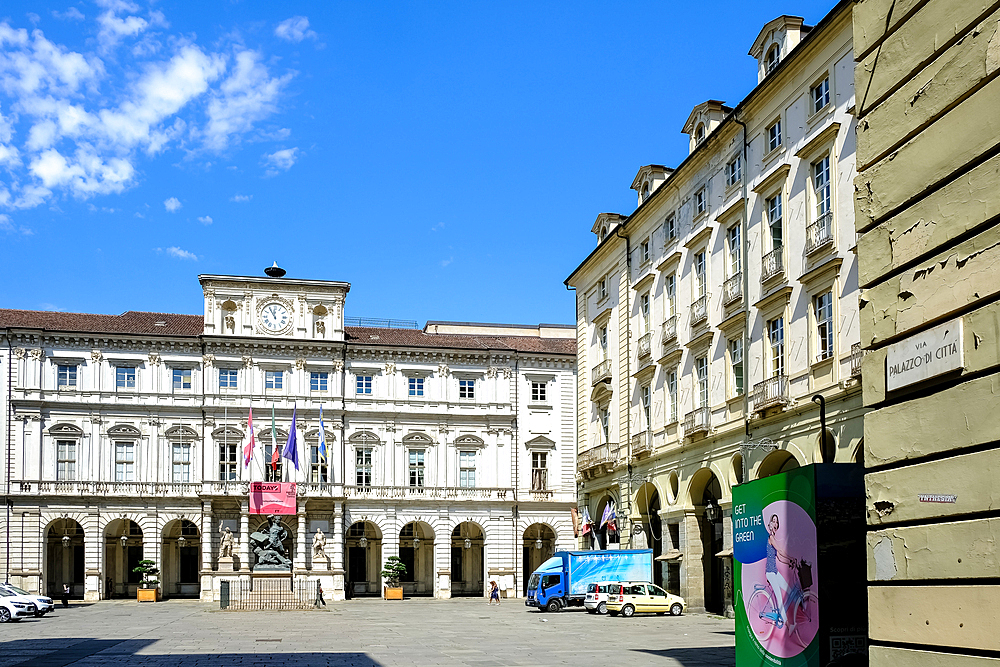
[
  {"x": 59, "y": 652},
  {"x": 716, "y": 656}
]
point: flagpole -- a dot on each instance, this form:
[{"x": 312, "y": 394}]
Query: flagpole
[{"x": 225, "y": 432}]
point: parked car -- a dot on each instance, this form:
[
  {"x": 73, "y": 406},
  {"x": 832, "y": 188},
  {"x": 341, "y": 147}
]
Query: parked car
[
  {"x": 637, "y": 597},
  {"x": 596, "y": 601},
  {"x": 43, "y": 605},
  {"x": 14, "y": 609}
]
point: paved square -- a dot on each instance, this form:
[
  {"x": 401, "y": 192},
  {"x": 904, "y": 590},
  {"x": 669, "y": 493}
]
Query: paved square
[{"x": 360, "y": 632}]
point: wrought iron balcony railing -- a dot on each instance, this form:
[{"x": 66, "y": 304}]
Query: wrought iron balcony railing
[
  {"x": 597, "y": 456},
  {"x": 642, "y": 444},
  {"x": 820, "y": 233},
  {"x": 772, "y": 391},
  {"x": 669, "y": 329},
  {"x": 699, "y": 310},
  {"x": 698, "y": 421},
  {"x": 771, "y": 265},
  {"x": 732, "y": 289},
  {"x": 645, "y": 344},
  {"x": 602, "y": 372},
  {"x": 857, "y": 354}
]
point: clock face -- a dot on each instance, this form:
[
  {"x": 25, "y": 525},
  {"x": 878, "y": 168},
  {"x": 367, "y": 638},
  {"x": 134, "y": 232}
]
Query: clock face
[{"x": 275, "y": 317}]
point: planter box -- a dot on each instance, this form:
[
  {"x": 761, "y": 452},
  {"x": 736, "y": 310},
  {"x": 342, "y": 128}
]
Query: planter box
[
  {"x": 148, "y": 594},
  {"x": 393, "y": 593}
]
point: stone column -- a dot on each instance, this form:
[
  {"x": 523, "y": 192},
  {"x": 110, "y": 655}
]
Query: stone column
[
  {"x": 93, "y": 555},
  {"x": 442, "y": 567},
  {"x": 692, "y": 567},
  {"x": 337, "y": 564},
  {"x": 244, "y": 535},
  {"x": 728, "y": 588},
  {"x": 207, "y": 529},
  {"x": 299, "y": 562}
]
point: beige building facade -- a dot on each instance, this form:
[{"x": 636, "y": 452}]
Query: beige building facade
[
  {"x": 709, "y": 317},
  {"x": 927, "y": 210}
]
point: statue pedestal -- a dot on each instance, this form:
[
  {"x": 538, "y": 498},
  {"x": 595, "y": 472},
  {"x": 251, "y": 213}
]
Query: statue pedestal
[
  {"x": 320, "y": 563},
  {"x": 226, "y": 564}
]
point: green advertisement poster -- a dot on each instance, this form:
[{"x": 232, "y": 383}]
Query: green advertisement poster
[{"x": 774, "y": 557}]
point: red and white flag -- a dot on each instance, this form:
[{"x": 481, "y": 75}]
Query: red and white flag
[{"x": 248, "y": 449}]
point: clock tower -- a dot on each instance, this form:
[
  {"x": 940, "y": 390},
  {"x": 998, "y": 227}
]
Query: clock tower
[{"x": 274, "y": 307}]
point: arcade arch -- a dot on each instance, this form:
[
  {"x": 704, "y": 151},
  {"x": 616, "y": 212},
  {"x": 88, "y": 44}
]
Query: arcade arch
[
  {"x": 647, "y": 501},
  {"x": 416, "y": 550},
  {"x": 538, "y": 545},
  {"x": 363, "y": 544},
  {"x": 780, "y": 460},
  {"x": 123, "y": 549},
  {"x": 706, "y": 496},
  {"x": 468, "y": 566},
  {"x": 180, "y": 559},
  {"x": 64, "y": 558}
]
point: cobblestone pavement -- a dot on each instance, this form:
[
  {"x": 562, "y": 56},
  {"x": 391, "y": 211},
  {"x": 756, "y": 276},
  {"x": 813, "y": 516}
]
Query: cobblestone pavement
[{"x": 366, "y": 633}]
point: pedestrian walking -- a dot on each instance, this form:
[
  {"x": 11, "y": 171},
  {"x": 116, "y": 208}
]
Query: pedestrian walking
[
  {"x": 319, "y": 595},
  {"x": 494, "y": 593},
  {"x": 65, "y": 595}
]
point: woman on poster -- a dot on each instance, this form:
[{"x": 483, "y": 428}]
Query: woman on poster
[{"x": 777, "y": 552}]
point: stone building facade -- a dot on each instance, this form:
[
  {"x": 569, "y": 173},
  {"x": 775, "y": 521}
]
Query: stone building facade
[
  {"x": 709, "y": 317},
  {"x": 928, "y": 216},
  {"x": 452, "y": 447}
]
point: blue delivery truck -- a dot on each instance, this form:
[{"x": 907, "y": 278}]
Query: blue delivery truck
[{"x": 562, "y": 580}]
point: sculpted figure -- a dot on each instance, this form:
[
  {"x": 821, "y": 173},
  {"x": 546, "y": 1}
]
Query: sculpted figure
[
  {"x": 319, "y": 545},
  {"x": 268, "y": 543},
  {"x": 226, "y": 544}
]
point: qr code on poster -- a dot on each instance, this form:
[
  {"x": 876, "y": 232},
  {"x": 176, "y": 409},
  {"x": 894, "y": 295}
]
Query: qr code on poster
[{"x": 841, "y": 645}]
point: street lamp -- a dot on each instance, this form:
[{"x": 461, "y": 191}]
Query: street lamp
[
  {"x": 181, "y": 541},
  {"x": 538, "y": 544},
  {"x": 363, "y": 542},
  {"x": 65, "y": 541},
  {"x": 712, "y": 511},
  {"x": 468, "y": 543},
  {"x": 124, "y": 541},
  {"x": 416, "y": 542}
]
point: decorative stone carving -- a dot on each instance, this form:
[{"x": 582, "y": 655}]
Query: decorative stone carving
[
  {"x": 96, "y": 356},
  {"x": 247, "y": 361},
  {"x": 231, "y": 323},
  {"x": 507, "y": 372},
  {"x": 226, "y": 543},
  {"x": 338, "y": 365},
  {"x": 208, "y": 360},
  {"x": 492, "y": 372},
  {"x": 19, "y": 352},
  {"x": 37, "y": 354},
  {"x": 320, "y": 327},
  {"x": 268, "y": 546},
  {"x": 443, "y": 370},
  {"x": 390, "y": 368},
  {"x": 154, "y": 358},
  {"x": 319, "y": 546},
  {"x": 300, "y": 363}
]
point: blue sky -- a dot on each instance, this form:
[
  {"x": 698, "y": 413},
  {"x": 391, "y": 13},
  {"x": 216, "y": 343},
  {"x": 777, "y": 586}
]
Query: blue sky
[{"x": 446, "y": 159}]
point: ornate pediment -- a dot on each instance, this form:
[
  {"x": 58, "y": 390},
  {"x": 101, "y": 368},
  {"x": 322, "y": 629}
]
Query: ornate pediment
[
  {"x": 124, "y": 430},
  {"x": 65, "y": 429},
  {"x": 228, "y": 433},
  {"x": 417, "y": 437},
  {"x": 469, "y": 440},
  {"x": 181, "y": 432},
  {"x": 364, "y": 438}
]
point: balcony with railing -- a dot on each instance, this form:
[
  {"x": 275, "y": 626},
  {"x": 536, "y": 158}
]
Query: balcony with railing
[
  {"x": 698, "y": 421},
  {"x": 645, "y": 345},
  {"x": 699, "y": 310},
  {"x": 771, "y": 392},
  {"x": 820, "y": 233},
  {"x": 602, "y": 372},
  {"x": 857, "y": 354},
  {"x": 642, "y": 444},
  {"x": 597, "y": 458},
  {"x": 732, "y": 289},
  {"x": 426, "y": 492},
  {"x": 771, "y": 265},
  {"x": 669, "y": 330}
]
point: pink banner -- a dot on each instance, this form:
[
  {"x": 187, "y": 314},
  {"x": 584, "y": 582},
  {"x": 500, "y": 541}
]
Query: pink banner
[{"x": 272, "y": 498}]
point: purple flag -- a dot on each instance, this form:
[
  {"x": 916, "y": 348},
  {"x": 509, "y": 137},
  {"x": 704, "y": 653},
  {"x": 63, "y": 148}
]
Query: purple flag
[
  {"x": 291, "y": 451},
  {"x": 609, "y": 513}
]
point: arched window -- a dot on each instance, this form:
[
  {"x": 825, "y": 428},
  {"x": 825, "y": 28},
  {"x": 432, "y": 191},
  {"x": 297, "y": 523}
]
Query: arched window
[
  {"x": 645, "y": 191},
  {"x": 773, "y": 56},
  {"x": 699, "y": 134},
  {"x": 604, "y": 232}
]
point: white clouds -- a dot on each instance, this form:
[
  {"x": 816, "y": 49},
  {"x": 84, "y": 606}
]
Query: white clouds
[
  {"x": 446, "y": 262},
  {"x": 248, "y": 95},
  {"x": 84, "y": 175},
  {"x": 71, "y": 14},
  {"x": 279, "y": 161},
  {"x": 294, "y": 29},
  {"x": 114, "y": 27},
  {"x": 205, "y": 219},
  {"x": 241, "y": 199},
  {"x": 172, "y": 204},
  {"x": 179, "y": 253}
]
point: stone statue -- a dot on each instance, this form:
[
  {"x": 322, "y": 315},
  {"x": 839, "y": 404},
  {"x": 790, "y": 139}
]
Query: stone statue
[
  {"x": 319, "y": 545},
  {"x": 226, "y": 544},
  {"x": 269, "y": 546}
]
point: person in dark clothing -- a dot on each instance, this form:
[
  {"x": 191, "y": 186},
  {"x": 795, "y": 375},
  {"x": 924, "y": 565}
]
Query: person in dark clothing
[{"x": 65, "y": 595}]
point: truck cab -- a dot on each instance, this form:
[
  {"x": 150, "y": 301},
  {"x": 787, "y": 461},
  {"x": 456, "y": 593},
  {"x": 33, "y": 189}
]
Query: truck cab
[{"x": 547, "y": 585}]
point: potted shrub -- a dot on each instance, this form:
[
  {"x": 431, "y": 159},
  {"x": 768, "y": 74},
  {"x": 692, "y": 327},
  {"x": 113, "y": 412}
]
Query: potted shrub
[
  {"x": 149, "y": 586},
  {"x": 392, "y": 572}
]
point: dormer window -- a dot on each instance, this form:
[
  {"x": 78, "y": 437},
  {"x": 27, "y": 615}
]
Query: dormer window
[
  {"x": 604, "y": 232},
  {"x": 772, "y": 59},
  {"x": 699, "y": 134},
  {"x": 645, "y": 191}
]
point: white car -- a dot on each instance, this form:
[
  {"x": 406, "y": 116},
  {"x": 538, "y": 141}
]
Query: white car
[
  {"x": 597, "y": 597},
  {"x": 13, "y": 609},
  {"x": 43, "y": 605}
]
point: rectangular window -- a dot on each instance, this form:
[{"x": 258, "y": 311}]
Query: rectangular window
[
  {"x": 644, "y": 311},
  {"x": 227, "y": 378},
  {"x": 317, "y": 466},
  {"x": 823, "y": 305},
  {"x": 774, "y": 136},
  {"x": 181, "y": 460},
  {"x": 821, "y": 186},
  {"x": 670, "y": 293},
  {"x": 733, "y": 243},
  {"x": 319, "y": 381},
  {"x": 774, "y": 220},
  {"x": 701, "y": 371},
  {"x": 820, "y": 94},
  {"x": 776, "y": 338},
  {"x": 604, "y": 343},
  {"x": 700, "y": 202},
  {"x": 125, "y": 377},
  {"x": 539, "y": 472},
  {"x": 736, "y": 363},
  {"x": 467, "y": 469},
  {"x": 364, "y": 384},
  {"x": 416, "y": 386},
  {"x": 670, "y": 228},
  {"x": 228, "y": 463},
  {"x": 672, "y": 395},
  {"x": 602, "y": 289},
  {"x": 272, "y": 473},
  {"x": 538, "y": 392},
  {"x": 733, "y": 172},
  {"x": 467, "y": 389},
  {"x": 700, "y": 278},
  {"x": 605, "y": 417},
  {"x": 65, "y": 460},
  {"x": 66, "y": 376},
  {"x": 182, "y": 379},
  {"x": 363, "y": 466},
  {"x": 644, "y": 394},
  {"x": 124, "y": 462},
  {"x": 417, "y": 468},
  {"x": 274, "y": 379},
  {"x": 644, "y": 251}
]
